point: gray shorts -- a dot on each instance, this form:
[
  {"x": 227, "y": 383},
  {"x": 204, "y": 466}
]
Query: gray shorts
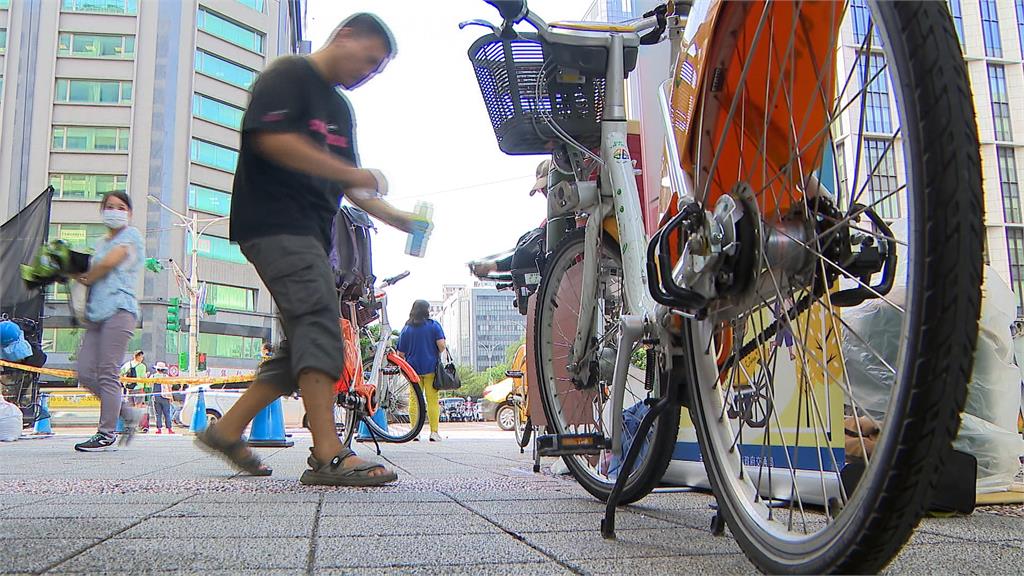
[{"x": 298, "y": 274}]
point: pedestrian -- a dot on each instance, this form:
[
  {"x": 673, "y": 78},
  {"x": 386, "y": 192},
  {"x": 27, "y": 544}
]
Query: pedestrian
[
  {"x": 266, "y": 352},
  {"x": 297, "y": 159},
  {"x": 111, "y": 312},
  {"x": 421, "y": 344},
  {"x": 134, "y": 368},
  {"x": 162, "y": 397},
  {"x": 177, "y": 403}
]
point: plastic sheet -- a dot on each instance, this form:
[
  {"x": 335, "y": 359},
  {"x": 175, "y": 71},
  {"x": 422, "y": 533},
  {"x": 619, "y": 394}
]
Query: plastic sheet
[
  {"x": 10, "y": 421},
  {"x": 871, "y": 348}
]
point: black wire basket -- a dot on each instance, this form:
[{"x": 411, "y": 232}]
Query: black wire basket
[{"x": 509, "y": 71}]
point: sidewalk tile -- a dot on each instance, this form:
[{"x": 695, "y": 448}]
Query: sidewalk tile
[
  {"x": 712, "y": 564},
  {"x": 82, "y": 511},
  {"x": 56, "y": 528},
  {"x": 643, "y": 543},
  {"x": 959, "y": 558},
  {"x": 187, "y": 554},
  {"x": 453, "y": 524},
  {"x": 35, "y": 555},
  {"x": 434, "y": 550},
  {"x": 517, "y": 522},
  {"x": 219, "y": 526},
  {"x": 532, "y": 569},
  {"x": 241, "y": 509},
  {"x": 390, "y": 509}
]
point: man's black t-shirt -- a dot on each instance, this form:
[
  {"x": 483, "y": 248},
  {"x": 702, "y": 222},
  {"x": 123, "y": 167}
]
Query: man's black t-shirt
[{"x": 268, "y": 199}]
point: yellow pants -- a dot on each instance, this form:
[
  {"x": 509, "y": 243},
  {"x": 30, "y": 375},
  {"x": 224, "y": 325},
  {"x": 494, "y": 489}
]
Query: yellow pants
[{"x": 433, "y": 405}]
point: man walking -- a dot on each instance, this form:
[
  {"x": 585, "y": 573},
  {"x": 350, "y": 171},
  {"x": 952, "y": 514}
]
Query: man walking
[{"x": 296, "y": 160}]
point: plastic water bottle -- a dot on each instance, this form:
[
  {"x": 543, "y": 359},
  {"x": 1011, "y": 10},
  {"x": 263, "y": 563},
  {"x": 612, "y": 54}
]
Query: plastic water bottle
[{"x": 416, "y": 244}]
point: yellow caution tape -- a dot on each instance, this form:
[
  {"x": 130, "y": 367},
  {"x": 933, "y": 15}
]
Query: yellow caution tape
[{"x": 184, "y": 380}]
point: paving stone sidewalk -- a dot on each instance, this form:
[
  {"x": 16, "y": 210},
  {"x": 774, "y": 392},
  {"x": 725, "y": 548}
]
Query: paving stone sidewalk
[{"x": 464, "y": 506}]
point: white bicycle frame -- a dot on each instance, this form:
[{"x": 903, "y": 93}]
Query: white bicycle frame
[{"x": 620, "y": 196}]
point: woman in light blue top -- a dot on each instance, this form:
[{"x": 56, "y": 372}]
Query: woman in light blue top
[{"x": 111, "y": 314}]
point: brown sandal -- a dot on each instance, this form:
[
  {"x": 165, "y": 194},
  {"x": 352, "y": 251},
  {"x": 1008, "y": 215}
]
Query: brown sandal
[
  {"x": 235, "y": 452},
  {"x": 334, "y": 474}
]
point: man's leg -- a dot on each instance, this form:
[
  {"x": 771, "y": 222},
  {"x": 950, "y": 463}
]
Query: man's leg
[
  {"x": 257, "y": 397},
  {"x": 318, "y": 397}
]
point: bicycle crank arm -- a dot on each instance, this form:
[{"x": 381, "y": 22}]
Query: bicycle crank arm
[{"x": 631, "y": 329}]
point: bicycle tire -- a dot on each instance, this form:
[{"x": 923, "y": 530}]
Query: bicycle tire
[
  {"x": 942, "y": 303},
  {"x": 393, "y": 389},
  {"x": 524, "y": 434},
  {"x": 648, "y": 470}
]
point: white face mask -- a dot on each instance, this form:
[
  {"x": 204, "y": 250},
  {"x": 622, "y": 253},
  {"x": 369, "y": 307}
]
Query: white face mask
[{"x": 115, "y": 219}]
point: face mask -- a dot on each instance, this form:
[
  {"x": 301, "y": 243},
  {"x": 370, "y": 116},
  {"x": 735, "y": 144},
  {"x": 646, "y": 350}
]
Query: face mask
[{"x": 115, "y": 219}]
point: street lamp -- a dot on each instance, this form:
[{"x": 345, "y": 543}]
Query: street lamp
[{"x": 191, "y": 226}]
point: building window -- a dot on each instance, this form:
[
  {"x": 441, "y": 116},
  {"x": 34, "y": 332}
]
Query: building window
[
  {"x": 129, "y": 7},
  {"x": 958, "y": 20},
  {"x": 78, "y": 235},
  {"x": 882, "y": 185},
  {"x": 1009, "y": 185},
  {"x": 990, "y": 29},
  {"x": 96, "y": 46},
  {"x": 216, "y": 248},
  {"x": 5, "y": 4},
  {"x": 227, "y": 346},
  {"x": 256, "y": 5},
  {"x": 1015, "y": 250},
  {"x": 214, "y": 155},
  {"x": 93, "y": 91},
  {"x": 237, "y": 34},
  {"x": 62, "y": 340},
  {"x": 1020, "y": 25},
  {"x": 231, "y": 297},
  {"x": 209, "y": 200},
  {"x": 862, "y": 21},
  {"x": 876, "y": 110},
  {"x": 3, "y": 40},
  {"x": 89, "y": 139},
  {"x": 217, "y": 112},
  {"x": 224, "y": 70},
  {"x": 1000, "y": 102},
  {"x": 86, "y": 186}
]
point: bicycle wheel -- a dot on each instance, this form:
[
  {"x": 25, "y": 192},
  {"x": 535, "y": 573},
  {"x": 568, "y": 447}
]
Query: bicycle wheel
[
  {"x": 345, "y": 423},
  {"x": 876, "y": 373},
  {"x": 394, "y": 394},
  {"x": 584, "y": 407}
]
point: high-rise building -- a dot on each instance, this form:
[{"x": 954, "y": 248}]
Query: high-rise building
[
  {"x": 991, "y": 35},
  {"x": 145, "y": 96},
  {"x": 480, "y": 323}
]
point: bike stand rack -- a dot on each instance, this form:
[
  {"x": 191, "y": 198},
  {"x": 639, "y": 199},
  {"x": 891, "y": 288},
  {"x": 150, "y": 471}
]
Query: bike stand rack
[{"x": 608, "y": 522}]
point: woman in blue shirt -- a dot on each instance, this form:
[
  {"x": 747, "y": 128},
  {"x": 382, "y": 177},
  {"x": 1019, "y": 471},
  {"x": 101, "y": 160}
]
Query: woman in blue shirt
[
  {"x": 421, "y": 344},
  {"x": 111, "y": 313}
]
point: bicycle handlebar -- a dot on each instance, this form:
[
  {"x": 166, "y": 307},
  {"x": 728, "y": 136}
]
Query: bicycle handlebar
[{"x": 394, "y": 279}]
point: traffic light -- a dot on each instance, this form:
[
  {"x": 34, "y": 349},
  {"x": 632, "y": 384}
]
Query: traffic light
[
  {"x": 183, "y": 360},
  {"x": 210, "y": 309},
  {"x": 201, "y": 365},
  {"x": 173, "y": 309}
]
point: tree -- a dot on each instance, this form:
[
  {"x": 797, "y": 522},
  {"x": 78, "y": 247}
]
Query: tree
[
  {"x": 473, "y": 383},
  {"x": 510, "y": 352}
]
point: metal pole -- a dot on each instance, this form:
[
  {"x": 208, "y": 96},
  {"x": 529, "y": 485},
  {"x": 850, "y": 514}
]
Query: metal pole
[{"x": 193, "y": 299}]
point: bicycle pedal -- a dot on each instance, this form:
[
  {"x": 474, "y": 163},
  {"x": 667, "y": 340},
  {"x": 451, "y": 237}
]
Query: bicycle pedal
[{"x": 549, "y": 445}]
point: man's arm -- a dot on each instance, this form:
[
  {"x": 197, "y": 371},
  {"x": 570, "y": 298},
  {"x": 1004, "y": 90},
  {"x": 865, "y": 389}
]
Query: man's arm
[
  {"x": 385, "y": 212},
  {"x": 298, "y": 152}
]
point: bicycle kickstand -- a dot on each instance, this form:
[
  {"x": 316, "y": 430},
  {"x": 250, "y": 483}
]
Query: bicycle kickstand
[{"x": 608, "y": 522}]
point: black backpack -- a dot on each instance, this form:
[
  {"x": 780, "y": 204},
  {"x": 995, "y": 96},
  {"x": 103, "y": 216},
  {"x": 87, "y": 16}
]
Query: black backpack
[{"x": 351, "y": 255}]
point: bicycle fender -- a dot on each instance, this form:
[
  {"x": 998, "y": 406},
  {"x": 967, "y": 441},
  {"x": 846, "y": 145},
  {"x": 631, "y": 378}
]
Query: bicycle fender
[{"x": 404, "y": 367}]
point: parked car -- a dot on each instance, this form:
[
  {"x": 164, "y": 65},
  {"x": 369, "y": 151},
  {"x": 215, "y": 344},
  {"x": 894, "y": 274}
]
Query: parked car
[
  {"x": 220, "y": 399},
  {"x": 496, "y": 406}
]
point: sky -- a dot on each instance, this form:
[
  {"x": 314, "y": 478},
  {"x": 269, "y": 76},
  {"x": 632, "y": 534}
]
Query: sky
[{"x": 423, "y": 123}]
